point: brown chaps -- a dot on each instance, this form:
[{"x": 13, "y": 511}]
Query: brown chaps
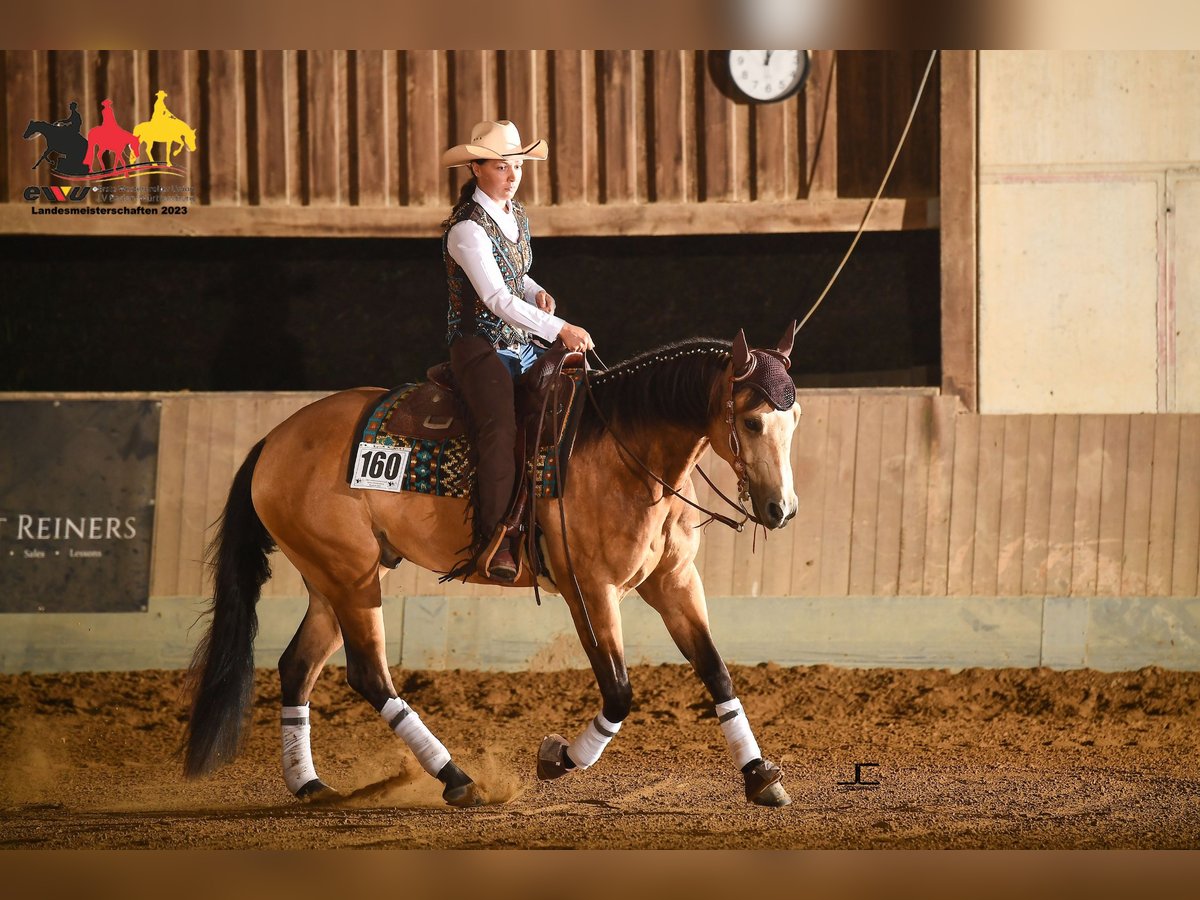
[{"x": 485, "y": 385}]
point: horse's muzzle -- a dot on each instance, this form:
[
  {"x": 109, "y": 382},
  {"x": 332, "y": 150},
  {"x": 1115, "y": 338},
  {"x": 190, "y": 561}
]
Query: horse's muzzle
[{"x": 778, "y": 513}]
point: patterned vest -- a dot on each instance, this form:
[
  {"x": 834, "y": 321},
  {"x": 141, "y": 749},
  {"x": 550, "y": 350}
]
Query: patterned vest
[{"x": 467, "y": 313}]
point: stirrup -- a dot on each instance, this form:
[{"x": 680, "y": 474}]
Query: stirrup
[{"x": 484, "y": 564}]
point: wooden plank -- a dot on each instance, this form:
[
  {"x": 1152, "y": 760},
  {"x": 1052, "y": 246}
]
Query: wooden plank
[
  {"x": 222, "y": 114},
  {"x": 988, "y": 499},
  {"x": 22, "y": 89},
  {"x": 1185, "y": 564},
  {"x": 190, "y": 580},
  {"x": 838, "y": 502},
  {"x": 959, "y": 229},
  {"x": 1163, "y": 493},
  {"x": 1038, "y": 483},
  {"x": 891, "y": 495},
  {"x": 941, "y": 489},
  {"x": 428, "y": 128},
  {"x": 666, "y": 150},
  {"x": 820, "y": 126},
  {"x": 569, "y": 164},
  {"x": 74, "y": 82},
  {"x": 1061, "y": 532},
  {"x": 176, "y": 72},
  {"x": 618, "y": 132},
  {"x": 772, "y": 129},
  {"x": 715, "y": 137},
  {"x": 865, "y": 513},
  {"x": 326, "y": 134},
  {"x": 372, "y": 136},
  {"x": 961, "y": 557},
  {"x": 523, "y": 104},
  {"x": 809, "y": 471},
  {"x": 1113, "y": 490},
  {"x": 1136, "y": 527},
  {"x": 423, "y": 221},
  {"x": 915, "y": 508},
  {"x": 270, "y": 149},
  {"x": 169, "y": 492},
  {"x": 718, "y": 541},
  {"x": 1087, "y": 506},
  {"x": 126, "y": 80},
  {"x": 1013, "y": 493}
]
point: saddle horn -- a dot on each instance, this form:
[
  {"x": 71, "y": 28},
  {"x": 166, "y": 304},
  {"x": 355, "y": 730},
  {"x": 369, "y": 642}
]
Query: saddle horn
[{"x": 743, "y": 362}]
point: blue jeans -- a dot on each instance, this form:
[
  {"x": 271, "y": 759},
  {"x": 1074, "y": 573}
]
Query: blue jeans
[{"x": 520, "y": 359}]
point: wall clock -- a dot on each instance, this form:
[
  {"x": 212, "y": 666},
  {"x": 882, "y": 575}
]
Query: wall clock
[{"x": 767, "y": 76}]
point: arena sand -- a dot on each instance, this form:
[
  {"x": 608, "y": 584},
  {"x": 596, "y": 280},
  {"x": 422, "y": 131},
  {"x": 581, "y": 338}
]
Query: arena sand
[{"x": 974, "y": 759}]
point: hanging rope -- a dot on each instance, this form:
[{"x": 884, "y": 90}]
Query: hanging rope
[{"x": 879, "y": 193}]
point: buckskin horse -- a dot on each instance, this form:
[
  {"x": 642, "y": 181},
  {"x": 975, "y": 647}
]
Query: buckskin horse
[{"x": 641, "y": 434}]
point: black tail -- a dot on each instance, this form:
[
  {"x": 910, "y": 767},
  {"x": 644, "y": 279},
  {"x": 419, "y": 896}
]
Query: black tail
[{"x": 222, "y": 670}]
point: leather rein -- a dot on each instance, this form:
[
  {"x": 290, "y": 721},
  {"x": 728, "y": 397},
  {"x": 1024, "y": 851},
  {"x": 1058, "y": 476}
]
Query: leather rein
[{"x": 739, "y": 467}]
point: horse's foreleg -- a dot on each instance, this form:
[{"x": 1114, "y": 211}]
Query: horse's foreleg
[
  {"x": 318, "y": 638},
  {"x": 679, "y": 598},
  {"x": 555, "y": 756}
]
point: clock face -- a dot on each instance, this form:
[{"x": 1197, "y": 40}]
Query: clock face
[{"x": 767, "y": 75}]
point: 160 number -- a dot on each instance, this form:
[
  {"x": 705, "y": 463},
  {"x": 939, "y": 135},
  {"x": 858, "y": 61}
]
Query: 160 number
[{"x": 381, "y": 464}]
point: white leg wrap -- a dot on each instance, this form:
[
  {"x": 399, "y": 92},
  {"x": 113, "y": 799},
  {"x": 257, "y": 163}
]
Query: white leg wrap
[
  {"x": 738, "y": 735},
  {"x": 403, "y": 720},
  {"x": 298, "y": 769},
  {"x": 585, "y": 750}
]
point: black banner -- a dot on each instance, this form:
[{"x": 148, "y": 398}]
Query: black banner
[{"x": 76, "y": 504}]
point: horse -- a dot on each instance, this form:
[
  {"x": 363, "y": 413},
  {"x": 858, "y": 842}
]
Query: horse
[
  {"x": 109, "y": 137},
  {"x": 65, "y": 148},
  {"x": 635, "y": 526},
  {"x": 167, "y": 128}
]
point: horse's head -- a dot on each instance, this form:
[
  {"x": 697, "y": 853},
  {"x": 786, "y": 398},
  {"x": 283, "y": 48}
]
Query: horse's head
[
  {"x": 759, "y": 414},
  {"x": 189, "y": 137},
  {"x": 32, "y": 129}
]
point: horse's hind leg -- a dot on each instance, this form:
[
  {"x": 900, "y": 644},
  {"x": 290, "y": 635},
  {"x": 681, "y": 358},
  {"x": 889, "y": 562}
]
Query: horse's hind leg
[
  {"x": 318, "y": 637},
  {"x": 678, "y": 597},
  {"x": 360, "y": 615}
]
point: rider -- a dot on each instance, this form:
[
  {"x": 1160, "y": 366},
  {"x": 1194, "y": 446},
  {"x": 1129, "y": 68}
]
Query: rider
[{"x": 495, "y": 311}]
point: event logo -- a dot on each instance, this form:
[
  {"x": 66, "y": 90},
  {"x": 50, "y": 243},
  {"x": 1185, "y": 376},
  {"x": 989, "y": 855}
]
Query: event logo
[{"x": 108, "y": 152}]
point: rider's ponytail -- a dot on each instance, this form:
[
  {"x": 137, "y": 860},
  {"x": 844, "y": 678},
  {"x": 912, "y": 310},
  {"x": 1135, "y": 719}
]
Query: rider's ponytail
[{"x": 468, "y": 189}]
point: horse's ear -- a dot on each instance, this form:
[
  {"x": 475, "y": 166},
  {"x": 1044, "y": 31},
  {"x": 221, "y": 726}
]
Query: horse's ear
[
  {"x": 787, "y": 341},
  {"x": 741, "y": 355}
]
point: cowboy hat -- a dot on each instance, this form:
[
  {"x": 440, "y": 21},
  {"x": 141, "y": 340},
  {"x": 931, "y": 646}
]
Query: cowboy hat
[{"x": 493, "y": 140}]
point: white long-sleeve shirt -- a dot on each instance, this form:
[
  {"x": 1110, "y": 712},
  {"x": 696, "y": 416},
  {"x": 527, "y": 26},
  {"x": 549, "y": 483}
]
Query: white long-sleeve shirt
[{"x": 471, "y": 248}]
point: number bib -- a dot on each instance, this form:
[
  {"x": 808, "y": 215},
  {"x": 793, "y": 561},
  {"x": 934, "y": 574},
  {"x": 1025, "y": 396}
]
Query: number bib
[{"x": 379, "y": 468}]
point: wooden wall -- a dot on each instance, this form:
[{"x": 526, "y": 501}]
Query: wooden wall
[
  {"x": 901, "y": 494},
  {"x": 348, "y": 142}
]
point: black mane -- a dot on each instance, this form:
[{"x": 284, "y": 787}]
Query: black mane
[{"x": 671, "y": 385}]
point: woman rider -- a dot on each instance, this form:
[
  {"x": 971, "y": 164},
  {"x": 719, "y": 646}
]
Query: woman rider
[{"x": 495, "y": 311}]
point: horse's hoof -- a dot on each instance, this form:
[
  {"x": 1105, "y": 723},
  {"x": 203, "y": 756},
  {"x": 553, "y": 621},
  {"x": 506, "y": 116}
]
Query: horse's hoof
[
  {"x": 552, "y": 758},
  {"x": 773, "y": 796},
  {"x": 464, "y": 796},
  {"x": 764, "y": 785},
  {"x": 317, "y": 791}
]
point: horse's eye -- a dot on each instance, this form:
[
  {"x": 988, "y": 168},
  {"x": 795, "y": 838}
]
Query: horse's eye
[{"x": 755, "y": 426}]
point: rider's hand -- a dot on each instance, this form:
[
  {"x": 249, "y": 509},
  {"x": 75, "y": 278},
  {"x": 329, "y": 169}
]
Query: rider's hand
[
  {"x": 575, "y": 337},
  {"x": 544, "y": 302}
]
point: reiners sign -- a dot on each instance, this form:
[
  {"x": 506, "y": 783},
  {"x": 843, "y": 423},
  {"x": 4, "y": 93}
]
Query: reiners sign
[{"x": 76, "y": 504}]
